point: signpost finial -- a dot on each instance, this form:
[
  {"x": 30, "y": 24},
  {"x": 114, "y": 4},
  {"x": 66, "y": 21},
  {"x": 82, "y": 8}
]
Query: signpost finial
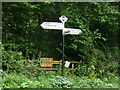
[{"x": 63, "y": 18}]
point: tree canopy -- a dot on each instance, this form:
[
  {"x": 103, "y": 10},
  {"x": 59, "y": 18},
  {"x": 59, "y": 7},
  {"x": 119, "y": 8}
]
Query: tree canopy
[{"x": 22, "y": 31}]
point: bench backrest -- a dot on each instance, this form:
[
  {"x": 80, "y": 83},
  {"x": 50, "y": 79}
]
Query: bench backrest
[{"x": 48, "y": 62}]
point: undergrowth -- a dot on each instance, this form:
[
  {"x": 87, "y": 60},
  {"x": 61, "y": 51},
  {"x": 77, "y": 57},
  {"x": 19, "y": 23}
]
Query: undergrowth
[{"x": 15, "y": 80}]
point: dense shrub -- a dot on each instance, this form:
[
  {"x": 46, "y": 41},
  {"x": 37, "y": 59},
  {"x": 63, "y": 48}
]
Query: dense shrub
[
  {"x": 13, "y": 61},
  {"x": 99, "y": 64},
  {"x": 85, "y": 82},
  {"x": 45, "y": 80},
  {"x": 16, "y": 80},
  {"x": 10, "y": 60}
]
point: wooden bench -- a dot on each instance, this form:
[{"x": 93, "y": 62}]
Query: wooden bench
[{"x": 48, "y": 64}]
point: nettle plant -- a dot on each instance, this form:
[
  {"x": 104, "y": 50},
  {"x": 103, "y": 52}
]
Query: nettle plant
[{"x": 60, "y": 82}]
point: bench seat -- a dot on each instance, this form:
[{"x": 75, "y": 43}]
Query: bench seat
[{"x": 55, "y": 69}]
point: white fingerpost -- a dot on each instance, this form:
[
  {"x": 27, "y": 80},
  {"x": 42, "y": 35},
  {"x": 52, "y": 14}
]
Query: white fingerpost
[{"x": 65, "y": 31}]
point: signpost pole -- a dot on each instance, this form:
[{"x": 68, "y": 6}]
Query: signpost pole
[
  {"x": 63, "y": 55},
  {"x": 63, "y": 49},
  {"x": 63, "y": 19}
]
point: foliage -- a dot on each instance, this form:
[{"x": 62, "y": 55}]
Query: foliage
[
  {"x": 101, "y": 65},
  {"x": 23, "y": 28},
  {"x": 96, "y": 48},
  {"x": 45, "y": 80},
  {"x": 16, "y": 80},
  {"x": 1, "y": 71},
  {"x": 95, "y": 23},
  {"x": 85, "y": 82},
  {"x": 60, "y": 82},
  {"x": 13, "y": 61}
]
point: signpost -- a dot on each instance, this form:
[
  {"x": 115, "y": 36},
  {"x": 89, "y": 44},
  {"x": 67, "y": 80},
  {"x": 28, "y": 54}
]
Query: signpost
[{"x": 65, "y": 31}]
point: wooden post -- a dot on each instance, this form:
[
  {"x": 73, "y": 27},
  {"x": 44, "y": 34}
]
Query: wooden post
[{"x": 72, "y": 65}]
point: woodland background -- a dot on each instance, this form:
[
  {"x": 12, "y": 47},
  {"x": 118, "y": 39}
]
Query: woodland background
[{"x": 96, "y": 49}]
